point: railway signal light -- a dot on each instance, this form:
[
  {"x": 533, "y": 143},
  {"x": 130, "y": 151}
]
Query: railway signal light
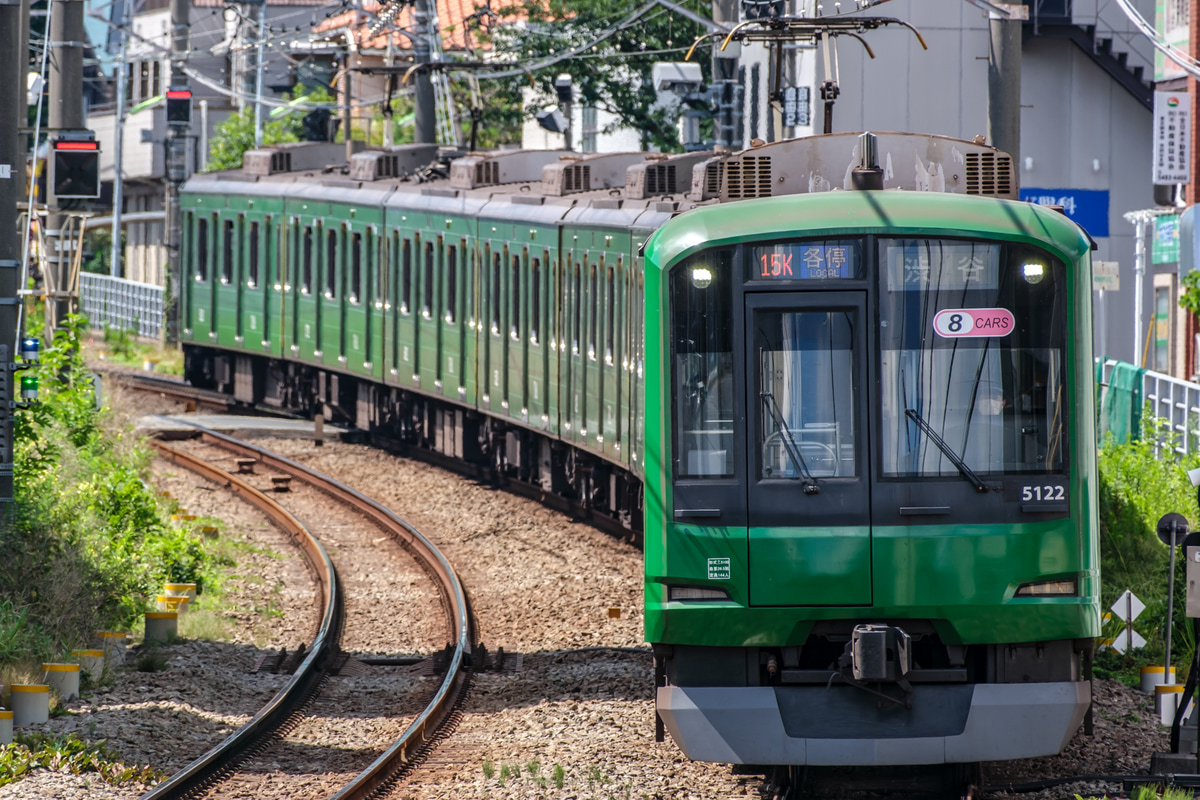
[
  {"x": 179, "y": 106},
  {"x": 76, "y": 167}
]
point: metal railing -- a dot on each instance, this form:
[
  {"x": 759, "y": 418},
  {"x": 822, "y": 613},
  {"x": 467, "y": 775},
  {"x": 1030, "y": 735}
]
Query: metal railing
[
  {"x": 122, "y": 304},
  {"x": 1174, "y": 402}
]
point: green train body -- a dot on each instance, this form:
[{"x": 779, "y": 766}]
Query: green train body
[{"x": 869, "y": 526}]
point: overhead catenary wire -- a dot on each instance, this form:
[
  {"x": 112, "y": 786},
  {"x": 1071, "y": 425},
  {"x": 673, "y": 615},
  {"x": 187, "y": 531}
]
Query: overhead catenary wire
[{"x": 1185, "y": 61}]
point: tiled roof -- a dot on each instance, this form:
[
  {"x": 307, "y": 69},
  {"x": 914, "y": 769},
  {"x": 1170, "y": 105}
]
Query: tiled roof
[
  {"x": 451, "y": 15},
  {"x": 223, "y": 3}
]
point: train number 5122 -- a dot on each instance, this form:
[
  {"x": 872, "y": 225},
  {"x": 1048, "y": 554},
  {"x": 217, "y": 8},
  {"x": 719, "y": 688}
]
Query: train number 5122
[{"x": 1042, "y": 494}]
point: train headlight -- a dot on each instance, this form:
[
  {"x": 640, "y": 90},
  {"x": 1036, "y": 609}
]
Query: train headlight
[
  {"x": 701, "y": 277},
  {"x": 1033, "y": 273},
  {"x": 677, "y": 593},
  {"x": 1049, "y": 589}
]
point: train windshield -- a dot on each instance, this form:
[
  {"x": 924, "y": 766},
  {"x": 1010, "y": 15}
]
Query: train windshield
[
  {"x": 702, "y": 297},
  {"x": 972, "y": 343}
]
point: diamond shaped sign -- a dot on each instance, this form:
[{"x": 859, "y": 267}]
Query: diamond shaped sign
[
  {"x": 1122, "y": 643},
  {"x": 1128, "y": 607}
]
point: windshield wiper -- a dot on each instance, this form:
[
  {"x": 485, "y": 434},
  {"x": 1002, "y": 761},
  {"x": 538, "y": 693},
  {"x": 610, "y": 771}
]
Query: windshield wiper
[
  {"x": 955, "y": 459},
  {"x": 790, "y": 446}
]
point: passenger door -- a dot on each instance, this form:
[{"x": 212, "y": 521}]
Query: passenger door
[{"x": 807, "y": 401}]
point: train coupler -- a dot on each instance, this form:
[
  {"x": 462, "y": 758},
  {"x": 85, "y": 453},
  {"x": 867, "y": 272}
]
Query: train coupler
[{"x": 878, "y": 654}]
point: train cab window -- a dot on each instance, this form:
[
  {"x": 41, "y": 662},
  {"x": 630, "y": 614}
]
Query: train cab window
[
  {"x": 535, "y": 301},
  {"x": 972, "y": 349},
  {"x": 356, "y": 254},
  {"x": 201, "y": 249},
  {"x": 702, "y": 365},
  {"x": 496, "y": 294},
  {"x": 514, "y": 292},
  {"x": 331, "y": 264},
  {"x": 451, "y": 284},
  {"x": 227, "y": 254},
  {"x": 806, "y": 381},
  {"x": 610, "y": 299},
  {"x": 406, "y": 277},
  {"x": 252, "y": 276},
  {"x": 427, "y": 305},
  {"x": 306, "y": 271}
]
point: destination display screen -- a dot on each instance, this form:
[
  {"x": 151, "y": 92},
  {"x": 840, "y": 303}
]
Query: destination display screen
[
  {"x": 938, "y": 264},
  {"x": 805, "y": 261}
]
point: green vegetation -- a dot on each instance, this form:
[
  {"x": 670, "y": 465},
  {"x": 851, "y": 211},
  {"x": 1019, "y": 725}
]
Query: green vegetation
[
  {"x": 122, "y": 348},
  {"x": 67, "y": 754},
  {"x": 235, "y": 135},
  {"x": 614, "y": 73},
  {"x": 1136, "y": 489},
  {"x": 86, "y": 543}
]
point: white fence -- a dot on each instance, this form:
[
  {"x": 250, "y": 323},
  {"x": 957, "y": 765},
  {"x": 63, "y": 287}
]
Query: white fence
[
  {"x": 122, "y": 304},
  {"x": 1174, "y": 401}
]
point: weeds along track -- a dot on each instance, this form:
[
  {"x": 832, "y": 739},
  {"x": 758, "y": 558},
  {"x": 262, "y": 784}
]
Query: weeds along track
[{"x": 340, "y": 728}]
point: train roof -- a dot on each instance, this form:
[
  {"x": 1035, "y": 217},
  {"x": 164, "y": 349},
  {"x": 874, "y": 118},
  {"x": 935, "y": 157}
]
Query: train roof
[
  {"x": 634, "y": 191},
  {"x": 865, "y": 212}
]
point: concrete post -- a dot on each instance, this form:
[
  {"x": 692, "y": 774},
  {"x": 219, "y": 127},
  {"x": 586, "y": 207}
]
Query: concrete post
[
  {"x": 1004, "y": 87},
  {"x": 426, "y": 105}
]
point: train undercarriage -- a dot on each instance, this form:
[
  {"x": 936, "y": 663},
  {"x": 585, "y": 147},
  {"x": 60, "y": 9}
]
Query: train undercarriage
[{"x": 396, "y": 416}]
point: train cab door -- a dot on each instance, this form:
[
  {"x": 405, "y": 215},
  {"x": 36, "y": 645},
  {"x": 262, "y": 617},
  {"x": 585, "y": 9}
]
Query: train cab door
[{"x": 808, "y": 489}]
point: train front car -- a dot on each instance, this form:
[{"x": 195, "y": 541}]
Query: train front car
[{"x": 871, "y": 485}]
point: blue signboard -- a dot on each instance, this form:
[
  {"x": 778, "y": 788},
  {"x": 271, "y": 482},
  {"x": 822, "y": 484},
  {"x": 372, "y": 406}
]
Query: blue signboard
[{"x": 1087, "y": 207}]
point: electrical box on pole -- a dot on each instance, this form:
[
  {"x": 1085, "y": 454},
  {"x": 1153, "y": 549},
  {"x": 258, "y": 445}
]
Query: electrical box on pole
[
  {"x": 76, "y": 170},
  {"x": 179, "y": 107}
]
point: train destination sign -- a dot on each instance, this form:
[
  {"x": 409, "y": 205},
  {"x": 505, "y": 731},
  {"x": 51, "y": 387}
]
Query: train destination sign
[
  {"x": 953, "y": 323},
  {"x": 790, "y": 261}
]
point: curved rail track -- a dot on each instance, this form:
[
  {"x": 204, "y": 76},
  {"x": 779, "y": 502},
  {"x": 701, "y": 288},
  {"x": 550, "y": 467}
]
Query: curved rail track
[{"x": 224, "y": 758}]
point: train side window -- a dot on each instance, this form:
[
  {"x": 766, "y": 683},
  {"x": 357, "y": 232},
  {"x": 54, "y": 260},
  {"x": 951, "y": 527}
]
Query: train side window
[
  {"x": 252, "y": 277},
  {"x": 514, "y": 293},
  {"x": 355, "y": 267},
  {"x": 610, "y": 299},
  {"x": 227, "y": 254},
  {"x": 306, "y": 274},
  {"x": 202, "y": 249},
  {"x": 702, "y": 365},
  {"x": 470, "y": 281},
  {"x": 406, "y": 277},
  {"x": 427, "y": 305},
  {"x": 496, "y": 262},
  {"x": 592, "y": 322},
  {"x": 535, "y": 301},
  {"x": 331, "y": 264},
  {"x": 451, "y": 284},
  {"x": 577, "y": 308}
]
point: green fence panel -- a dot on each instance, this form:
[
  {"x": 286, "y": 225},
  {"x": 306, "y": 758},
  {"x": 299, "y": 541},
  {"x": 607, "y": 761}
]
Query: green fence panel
[{"x": 1121, "y": 403}]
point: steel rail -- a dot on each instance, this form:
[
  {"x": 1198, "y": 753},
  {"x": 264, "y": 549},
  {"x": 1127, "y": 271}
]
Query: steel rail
[
  {"x": 308, "y": 675},
  {"x": 423, "y": 729}
]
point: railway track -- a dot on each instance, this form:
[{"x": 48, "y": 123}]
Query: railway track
[{"x": 212, "y": 773}]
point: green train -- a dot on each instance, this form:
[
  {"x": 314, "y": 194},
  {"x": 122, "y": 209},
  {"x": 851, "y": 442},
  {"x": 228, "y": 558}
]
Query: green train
[{"x": 841, "y": 383}]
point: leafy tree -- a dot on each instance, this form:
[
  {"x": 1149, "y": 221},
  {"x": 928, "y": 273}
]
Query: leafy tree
[
  {"x": 235, "y": 135},
  {"x": 613, "y": 75},
  {"x": 1190, "y": 299}
]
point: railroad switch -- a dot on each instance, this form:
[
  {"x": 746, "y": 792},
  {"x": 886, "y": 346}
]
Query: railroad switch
[
  {"x": 245, "y": 466},
  {"x": 282, "y": 483}
]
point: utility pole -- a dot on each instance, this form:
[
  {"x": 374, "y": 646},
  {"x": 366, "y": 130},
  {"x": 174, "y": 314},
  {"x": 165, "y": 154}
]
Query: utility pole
[
  {"x": 12, "y": 157},
  {"x": 725, "y": 73},
  {"x": 258, "y": 72},
  {"x": 177, "y": 165},
  {"x": 1004, "y": 79},
  {"x": 66, "y": 115},
  {"x": 347, "y": 117},
  {"x": 119, "y": 143},
  {"x": 426, "y": 106}
]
